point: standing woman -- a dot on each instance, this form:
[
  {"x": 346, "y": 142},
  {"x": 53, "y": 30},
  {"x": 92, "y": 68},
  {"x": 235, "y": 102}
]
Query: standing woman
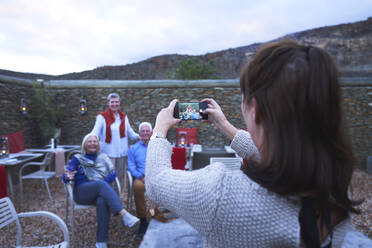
[
  {"x": 292, "y": 189},
  {"x": 93, "y": 173},
  {"x": 113, "y": 129}
]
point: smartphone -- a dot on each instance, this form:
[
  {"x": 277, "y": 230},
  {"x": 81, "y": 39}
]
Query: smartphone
[{"x": 190, "y": 111}]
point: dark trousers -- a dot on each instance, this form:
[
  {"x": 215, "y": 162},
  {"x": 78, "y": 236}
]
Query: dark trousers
[{"x": 106, "y": 200}]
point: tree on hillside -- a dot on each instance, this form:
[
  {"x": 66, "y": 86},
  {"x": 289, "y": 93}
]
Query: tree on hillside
[{"x": 194, "y": 68}]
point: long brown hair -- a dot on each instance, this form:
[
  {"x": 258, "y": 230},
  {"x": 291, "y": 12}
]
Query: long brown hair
[{"x": 305, "y": 148}]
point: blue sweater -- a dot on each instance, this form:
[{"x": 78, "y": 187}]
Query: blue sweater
[
  {"x": 137, "y": 159},
  {"x": 80, "y": 177}
]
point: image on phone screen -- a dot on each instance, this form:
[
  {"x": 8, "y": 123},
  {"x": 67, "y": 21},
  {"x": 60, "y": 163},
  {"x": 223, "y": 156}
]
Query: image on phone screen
[{"x": 189, "y": 111}]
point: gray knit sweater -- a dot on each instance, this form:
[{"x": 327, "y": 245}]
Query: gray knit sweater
[{"x": 225, "y": 205}]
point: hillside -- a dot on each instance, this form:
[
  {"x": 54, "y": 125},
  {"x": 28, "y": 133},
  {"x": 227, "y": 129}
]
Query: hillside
[{"x": 349, "y": 44}]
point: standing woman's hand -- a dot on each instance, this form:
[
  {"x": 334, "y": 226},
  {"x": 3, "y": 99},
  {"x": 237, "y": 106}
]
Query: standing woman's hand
[
  {"x": 165, "y": 119},
  {"x": 218, "y": 118}
]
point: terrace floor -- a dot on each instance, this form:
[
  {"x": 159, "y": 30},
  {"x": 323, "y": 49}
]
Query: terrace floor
[{"x": 42, "y": 232}]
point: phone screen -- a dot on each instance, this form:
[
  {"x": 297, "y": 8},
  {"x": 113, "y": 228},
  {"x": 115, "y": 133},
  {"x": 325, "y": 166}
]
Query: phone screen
[{"x": 190, "y": 111}]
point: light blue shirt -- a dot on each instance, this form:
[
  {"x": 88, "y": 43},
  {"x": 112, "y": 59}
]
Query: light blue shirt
[{"x": 137, "y": 159}]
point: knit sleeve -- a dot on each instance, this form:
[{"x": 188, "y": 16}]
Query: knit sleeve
[
  {"x": 244, "y": 146},
  {"x": 193, "y": 195},
  {"x": 98, "y": 126},
  {"x": 131, "y": 133}
]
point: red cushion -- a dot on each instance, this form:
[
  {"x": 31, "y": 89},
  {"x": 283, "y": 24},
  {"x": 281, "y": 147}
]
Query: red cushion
[
  {"x": 191, "y": 134},
  {"x": 179, "y": 158},
  {"x": 3, "y": 182},
  {"x": 16, "y": 141}
]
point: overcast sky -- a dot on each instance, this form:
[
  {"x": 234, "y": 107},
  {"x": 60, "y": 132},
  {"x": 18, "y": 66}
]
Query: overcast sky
[{"x": 63, "y": 36}]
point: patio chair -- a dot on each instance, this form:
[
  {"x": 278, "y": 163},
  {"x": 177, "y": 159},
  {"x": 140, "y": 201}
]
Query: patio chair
[
  {"x": 42, "y": 174},
  {"x": 9, "y": 215},
  {"x": 202, "y": 159},
  {"x": 16, "y": 141},
  {"x": 71, "y": 206},
  {"x": 3, "y": 192},
  {"x": 130, "y": 195},
  {"x": 71, "y": 154},
  {"x": 233, "y": 163}
]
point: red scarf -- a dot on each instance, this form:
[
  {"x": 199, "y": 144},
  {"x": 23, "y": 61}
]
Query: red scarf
[{"x": 110, "y": 118}]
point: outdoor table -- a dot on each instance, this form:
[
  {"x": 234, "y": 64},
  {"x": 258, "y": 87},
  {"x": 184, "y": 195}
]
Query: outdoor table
[
  {"x": 12, "y": 161},
  {"x": 66, "y": 148},
  {"x": 60, "y": 153}
]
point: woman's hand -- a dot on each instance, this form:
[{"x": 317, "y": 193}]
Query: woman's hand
[
  {"x": 70, "y": 175},
  {"x": 218, "y": 118},
  {"x": 165, "y": 119}
]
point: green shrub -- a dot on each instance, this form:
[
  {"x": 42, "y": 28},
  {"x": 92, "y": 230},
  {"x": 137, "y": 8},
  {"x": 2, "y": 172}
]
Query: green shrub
[
  {"x": 46, "y": 112},
  {"x": 194, "y": 68}
]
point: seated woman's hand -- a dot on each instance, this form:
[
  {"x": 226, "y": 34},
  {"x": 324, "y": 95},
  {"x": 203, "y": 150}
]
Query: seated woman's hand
[
  {"x": 165, "y": 119},
  {"x": 69, "y": 175}
]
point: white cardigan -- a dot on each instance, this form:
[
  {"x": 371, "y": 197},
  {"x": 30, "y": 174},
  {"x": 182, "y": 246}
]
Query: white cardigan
[
  {"x": 118, "y": 146},
  {"x": 225, "y": 205}
]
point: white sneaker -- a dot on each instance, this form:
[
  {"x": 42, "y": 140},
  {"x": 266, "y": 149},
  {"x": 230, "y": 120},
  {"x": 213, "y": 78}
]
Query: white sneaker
[
  {"x": 101, "y": 245},
  {"x": 129, "y": 220}
]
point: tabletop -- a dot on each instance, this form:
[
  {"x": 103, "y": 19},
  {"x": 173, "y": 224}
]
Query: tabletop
[
  {"x": 10, "y": 163},
  {"x": 18, "y": 158},
  {"x": 66, "y": 148}
]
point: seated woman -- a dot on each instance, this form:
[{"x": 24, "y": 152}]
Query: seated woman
[
  {"x": 93, "y": 172},
  {"x": 292, "y": 189}
]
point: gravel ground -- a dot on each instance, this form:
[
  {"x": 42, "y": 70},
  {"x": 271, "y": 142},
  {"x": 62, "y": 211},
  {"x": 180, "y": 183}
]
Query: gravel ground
[{"x": 41, "y": 231}]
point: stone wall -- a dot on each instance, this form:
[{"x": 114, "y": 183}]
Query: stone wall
[
  {"x": 142, "y": 100},
  {"x": 11, "y": 119}
]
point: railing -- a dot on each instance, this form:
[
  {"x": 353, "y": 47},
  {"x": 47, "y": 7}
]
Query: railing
[{"x": 209, "y": 83}]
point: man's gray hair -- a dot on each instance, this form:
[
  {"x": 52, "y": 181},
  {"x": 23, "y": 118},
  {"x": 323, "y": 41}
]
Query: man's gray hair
[
  {"x": 145, "y": 123},
  {"x": 113, "y": 95}
]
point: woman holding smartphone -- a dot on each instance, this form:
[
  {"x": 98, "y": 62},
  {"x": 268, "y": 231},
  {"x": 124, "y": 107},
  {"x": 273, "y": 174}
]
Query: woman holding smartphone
[{"x": 292, "y": 189}]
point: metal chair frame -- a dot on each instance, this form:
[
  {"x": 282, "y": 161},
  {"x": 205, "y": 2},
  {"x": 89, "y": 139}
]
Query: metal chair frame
[
  {"x": 9, "y": 215},
  {"x": 71, "y": 205},
  {"x": 231, "y": 162},
  {"x": 130, "y": 190},
  {"x": 42, "y": 174}
]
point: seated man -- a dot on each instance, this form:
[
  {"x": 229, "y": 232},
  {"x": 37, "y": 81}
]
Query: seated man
[{"x": 136, "y": 166}]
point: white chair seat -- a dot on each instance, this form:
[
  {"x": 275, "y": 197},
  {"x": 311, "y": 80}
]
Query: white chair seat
[
  {"x": 40, "y": 175},
  {"x": 78, "y": 206}
]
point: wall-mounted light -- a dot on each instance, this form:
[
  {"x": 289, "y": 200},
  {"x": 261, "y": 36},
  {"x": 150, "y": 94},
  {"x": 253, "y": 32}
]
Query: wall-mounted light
[
  {"x": 23, "y": 107},
  {"x": 83, "y": 107}
]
